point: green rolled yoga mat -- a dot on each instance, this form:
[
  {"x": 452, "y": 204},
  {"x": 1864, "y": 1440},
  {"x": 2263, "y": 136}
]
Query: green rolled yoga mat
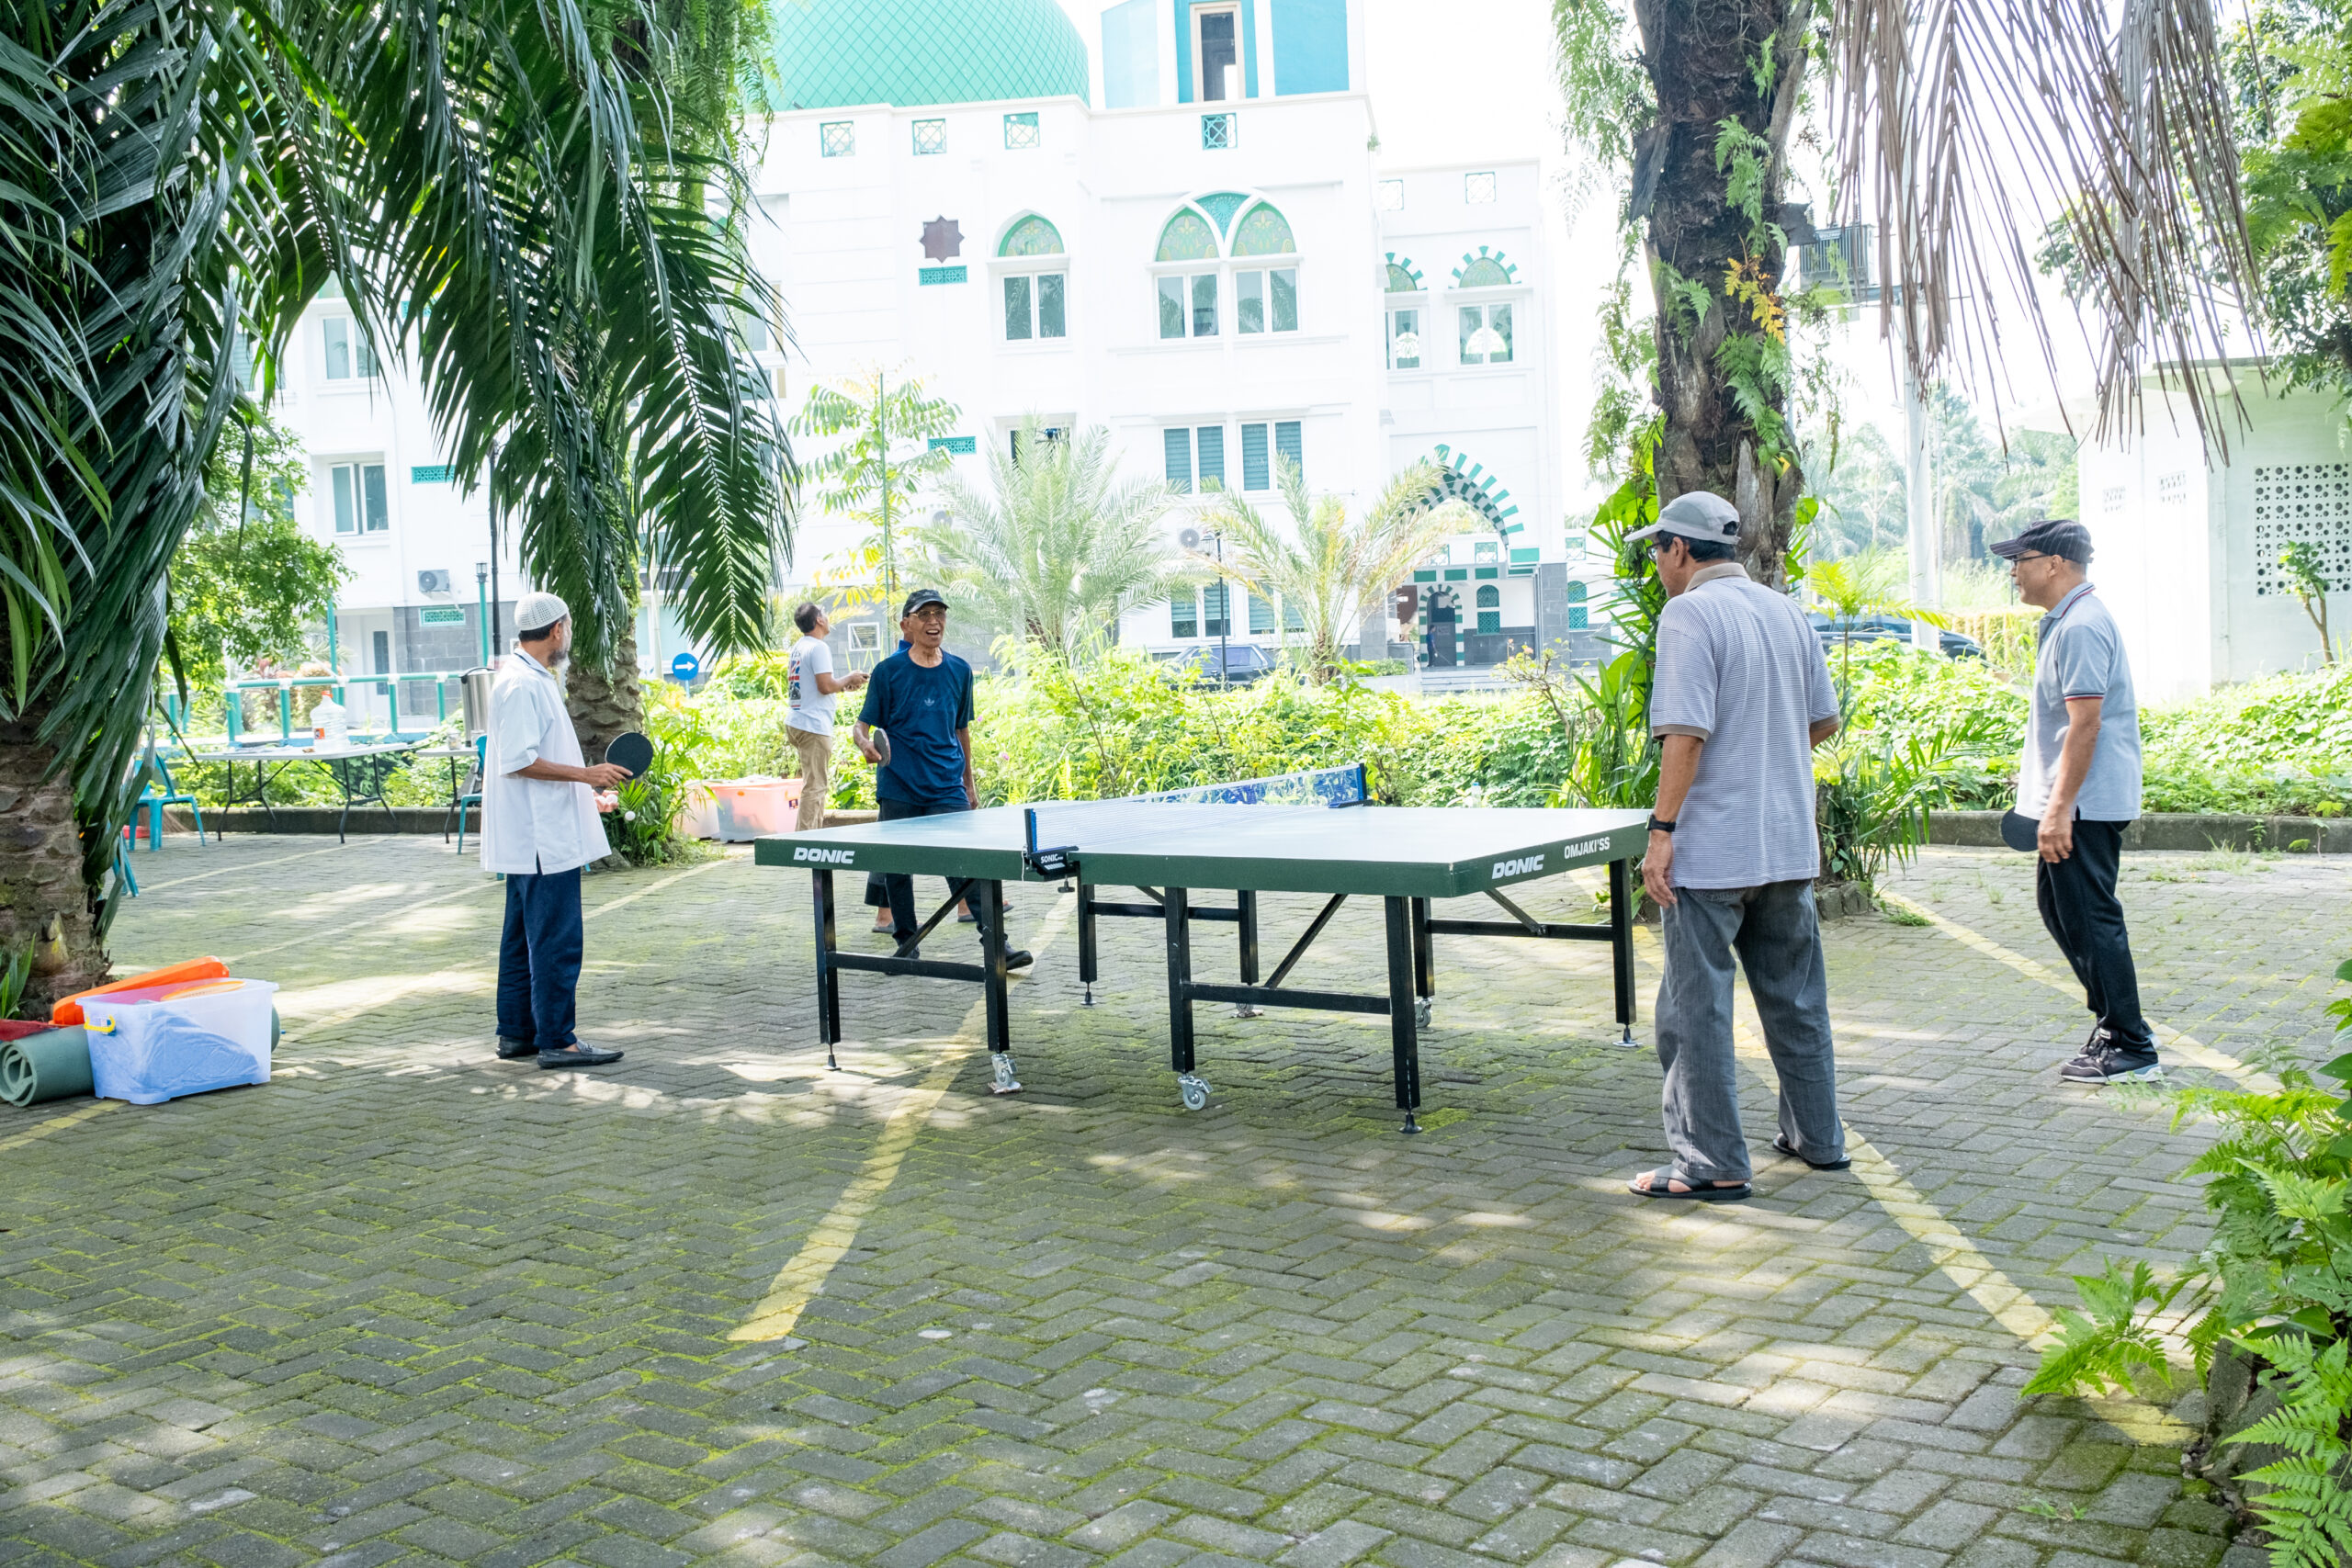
[{"x": 52, "y": 1064}]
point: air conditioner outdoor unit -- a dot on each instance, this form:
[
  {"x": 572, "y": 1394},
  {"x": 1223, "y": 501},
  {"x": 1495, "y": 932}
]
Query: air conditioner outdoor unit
[
  {"x": 433, "y": 583},
  {"x": 1190, "y": 538}
]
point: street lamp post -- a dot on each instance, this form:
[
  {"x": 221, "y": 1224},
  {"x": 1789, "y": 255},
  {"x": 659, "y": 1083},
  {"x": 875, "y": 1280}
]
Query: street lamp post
[
  {"x": 481, "y": 606},
  {"x": 1224, "y": 615},
  {"x": 496, "y": 639}
]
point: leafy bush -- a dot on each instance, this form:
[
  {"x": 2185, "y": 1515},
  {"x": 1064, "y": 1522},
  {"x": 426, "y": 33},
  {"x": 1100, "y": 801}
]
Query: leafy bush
[{"x": 2278, "y": 1281}]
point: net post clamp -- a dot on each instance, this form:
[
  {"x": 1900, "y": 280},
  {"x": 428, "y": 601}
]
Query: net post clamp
[{"x": 1057, "y": 860}]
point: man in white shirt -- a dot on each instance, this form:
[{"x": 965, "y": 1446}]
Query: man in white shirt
[
  {"x": 811, "y": 687},
  {"x": 540, "y": 826}
]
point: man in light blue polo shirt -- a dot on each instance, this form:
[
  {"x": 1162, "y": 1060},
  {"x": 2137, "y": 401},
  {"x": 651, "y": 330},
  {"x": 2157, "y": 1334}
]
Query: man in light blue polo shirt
[
  {"x": 1740, "y": 699},
  {"x": 2080, "y": 777}
]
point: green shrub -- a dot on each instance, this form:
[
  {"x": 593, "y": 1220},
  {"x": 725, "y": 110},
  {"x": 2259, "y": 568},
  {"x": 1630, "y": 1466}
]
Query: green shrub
[{"x": 2277, "y": 1280}]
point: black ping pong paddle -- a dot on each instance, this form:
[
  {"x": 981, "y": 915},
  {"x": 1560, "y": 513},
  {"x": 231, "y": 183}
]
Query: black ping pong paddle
[
  {"x": 881, "y": 746},
  {"x": 2020, "y": 831},
  {"x": 632, "y": 751}
]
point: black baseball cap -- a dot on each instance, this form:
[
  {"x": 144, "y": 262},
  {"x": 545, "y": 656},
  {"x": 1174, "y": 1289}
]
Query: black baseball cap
[
  {"x": 920, "y": 597},
  {"x": 2051, "y": 537}
]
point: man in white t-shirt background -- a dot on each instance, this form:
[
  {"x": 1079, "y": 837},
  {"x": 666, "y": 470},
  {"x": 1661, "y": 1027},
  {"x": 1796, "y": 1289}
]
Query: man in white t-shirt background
[{"x": 811, "y": 687}]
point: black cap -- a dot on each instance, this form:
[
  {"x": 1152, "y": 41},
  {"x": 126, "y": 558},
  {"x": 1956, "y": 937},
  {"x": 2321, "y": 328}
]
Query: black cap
[
  {"x": 920, "y": 597},
  {"x": 2052, "y": 536}
]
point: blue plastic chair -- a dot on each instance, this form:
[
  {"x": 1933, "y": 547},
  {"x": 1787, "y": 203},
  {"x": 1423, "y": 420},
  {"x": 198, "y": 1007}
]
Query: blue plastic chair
[
  {"x": 473, "y": 796},
  {"x": 122, "y": 869},
  {"x": 156, "y": 799}
]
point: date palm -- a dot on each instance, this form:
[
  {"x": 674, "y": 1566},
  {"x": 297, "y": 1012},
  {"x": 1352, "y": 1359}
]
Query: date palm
[
  {"x": 1333, "y": 571},
  {"x": 511, "y": 205},
  {"x": 1957, "y": 122},
  {"x": 1058, "y": 547}
]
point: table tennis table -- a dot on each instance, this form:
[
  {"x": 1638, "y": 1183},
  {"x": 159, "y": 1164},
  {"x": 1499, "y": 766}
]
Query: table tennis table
[{"x": 1314, "y": 833}]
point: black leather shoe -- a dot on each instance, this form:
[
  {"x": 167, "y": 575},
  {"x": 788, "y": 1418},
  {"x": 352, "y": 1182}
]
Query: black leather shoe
[
  {"x": 511, "y": 1050},
  {"x": 1019, "y": 958},
  {"x": 578, "y": 1056}
]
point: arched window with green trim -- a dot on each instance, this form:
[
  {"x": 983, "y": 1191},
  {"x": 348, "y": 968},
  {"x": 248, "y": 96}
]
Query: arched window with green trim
[
  {"x": 1490, "y": 607},
  {"x": 1187, "y": 237},
  {"x": 1031, "y": 237},
  {"x": 1263, "y": 232},
  {"x": 1579, "y": 613},
  {"x": 1402, "y": 282},
  {"x": 1483, "y": 273},
  {"x": 1036, "y": 301}
]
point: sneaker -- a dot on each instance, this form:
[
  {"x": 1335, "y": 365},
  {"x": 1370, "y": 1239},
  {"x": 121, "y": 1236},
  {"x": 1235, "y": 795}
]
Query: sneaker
[
  {"x": 514, "y": 1050},
  {"x": 2107, "y": 1060},
  {"x": 578, "y": 1056}
]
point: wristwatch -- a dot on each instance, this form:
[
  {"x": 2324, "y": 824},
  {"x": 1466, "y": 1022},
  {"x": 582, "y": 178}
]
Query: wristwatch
[{"x": 1659, "y": 826}]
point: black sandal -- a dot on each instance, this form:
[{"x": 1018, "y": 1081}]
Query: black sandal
[
  {"x": 1662, "y": 1181},
  {"x": 1781, "y": 1143}
]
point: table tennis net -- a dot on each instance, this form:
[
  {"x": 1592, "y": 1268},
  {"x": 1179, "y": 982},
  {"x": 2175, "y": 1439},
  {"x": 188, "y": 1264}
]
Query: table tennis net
[{"x": 1077, "y": 823}]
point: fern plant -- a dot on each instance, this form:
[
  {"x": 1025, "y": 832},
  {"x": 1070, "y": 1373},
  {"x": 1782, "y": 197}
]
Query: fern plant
[
  {"x": 2277, "y": 1281},
  {"x": 2304, "y": 1505}
]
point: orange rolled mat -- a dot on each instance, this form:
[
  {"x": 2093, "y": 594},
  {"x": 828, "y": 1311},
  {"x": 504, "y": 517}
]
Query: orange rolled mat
[{"x": 68, "y": 1012}]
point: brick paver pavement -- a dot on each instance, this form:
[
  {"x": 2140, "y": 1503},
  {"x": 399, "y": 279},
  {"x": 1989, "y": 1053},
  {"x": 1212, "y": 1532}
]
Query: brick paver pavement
[{"x": 410, "y": 1303}]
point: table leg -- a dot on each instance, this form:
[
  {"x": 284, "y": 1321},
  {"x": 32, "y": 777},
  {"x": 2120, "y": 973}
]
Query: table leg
[
  {"x": 1621, "y": 941},
  {"x": 1404, "y": 1039},
  {"x": 990, "y": 898},
  {"x": 828, "y": 979},
  {"x": 1088, "y": 967},
  {"x": 1245, "y": 905},
  {"x": 1175, "y": 907},
  {"x": 1424, "y": 963},
  {"x": 342, "y": 771}
]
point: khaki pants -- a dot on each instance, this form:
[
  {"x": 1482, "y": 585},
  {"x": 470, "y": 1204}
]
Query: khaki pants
[{"x": 816, "y": 754}]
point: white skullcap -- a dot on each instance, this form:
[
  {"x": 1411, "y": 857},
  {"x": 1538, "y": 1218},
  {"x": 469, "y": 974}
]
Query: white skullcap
[{"x": 537, "y": 611}]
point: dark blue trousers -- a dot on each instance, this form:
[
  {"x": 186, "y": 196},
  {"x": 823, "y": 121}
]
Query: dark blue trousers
[{"x": 539, "y": 959}]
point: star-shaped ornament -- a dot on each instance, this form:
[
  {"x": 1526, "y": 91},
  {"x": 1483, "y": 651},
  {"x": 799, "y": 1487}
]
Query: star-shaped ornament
[{"x": 943, "y": 238}]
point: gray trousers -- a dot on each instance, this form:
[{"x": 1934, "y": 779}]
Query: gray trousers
[{"x": 1778, "y": 937}]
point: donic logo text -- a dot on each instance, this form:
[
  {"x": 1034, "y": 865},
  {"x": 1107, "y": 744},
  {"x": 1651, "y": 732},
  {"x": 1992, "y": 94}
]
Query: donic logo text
[
  {"x": 825, "y": 857},
  {"x": 1519, "y": 867}
]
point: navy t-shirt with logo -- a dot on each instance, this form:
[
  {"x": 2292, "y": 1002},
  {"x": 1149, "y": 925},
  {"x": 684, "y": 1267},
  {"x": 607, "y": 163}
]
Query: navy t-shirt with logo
[{"x": 920, "y": 708}]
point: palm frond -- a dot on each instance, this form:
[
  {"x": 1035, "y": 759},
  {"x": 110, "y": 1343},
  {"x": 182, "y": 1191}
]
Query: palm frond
[{"x": 1955, "y": 116}]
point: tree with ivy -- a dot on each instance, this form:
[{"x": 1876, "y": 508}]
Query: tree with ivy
[
  {"x": 892, "y": 445},
  {"x": 2127, "y": 135}
]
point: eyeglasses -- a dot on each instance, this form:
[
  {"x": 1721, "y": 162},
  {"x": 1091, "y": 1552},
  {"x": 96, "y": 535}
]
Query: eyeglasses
[{"x": 2021, "y": 560}]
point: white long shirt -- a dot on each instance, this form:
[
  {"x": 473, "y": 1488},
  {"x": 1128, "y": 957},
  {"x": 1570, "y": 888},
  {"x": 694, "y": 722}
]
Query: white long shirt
[{"x": 530, "y": 825}]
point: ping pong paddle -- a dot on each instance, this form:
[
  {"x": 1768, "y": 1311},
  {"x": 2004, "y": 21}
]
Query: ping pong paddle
[
  {"x": 2020, "y": 831},
  {"x": 632, "y": 751},
  {"x": 881, "y": 745}
]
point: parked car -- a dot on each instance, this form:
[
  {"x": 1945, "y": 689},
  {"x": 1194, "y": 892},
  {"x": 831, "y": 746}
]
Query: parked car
[
  {"x": 1244, "y": 662},
  {"x": 1887, "y": 628}
]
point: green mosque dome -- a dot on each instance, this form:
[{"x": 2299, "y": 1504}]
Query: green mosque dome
[{"x": 834, "y": 54}]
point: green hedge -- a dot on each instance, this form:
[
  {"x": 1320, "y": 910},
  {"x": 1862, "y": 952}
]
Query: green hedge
[{"x": 1126, "y": 725}]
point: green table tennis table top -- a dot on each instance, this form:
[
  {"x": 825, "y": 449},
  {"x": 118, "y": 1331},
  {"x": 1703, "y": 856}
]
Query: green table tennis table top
[{"x": 1380, "y": 851}]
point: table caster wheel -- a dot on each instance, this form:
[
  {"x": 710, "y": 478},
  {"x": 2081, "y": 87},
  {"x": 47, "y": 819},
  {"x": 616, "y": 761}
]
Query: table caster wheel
[
  {"x": 1006, "y": 1083},
  {"x": 1195, "y": 1090},
  {"x": 1421, "y": 1014}
]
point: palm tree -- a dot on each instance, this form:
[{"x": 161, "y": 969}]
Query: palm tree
[
  {"x": 897, "y": 445},
  {"x": 1953, "y": 124},
  {"x": 509, "y": 202},
  {"x": 1337, "y": 569},
  {"x": 1058, "y": 547},
  {"x": 1869, "y": 583}
]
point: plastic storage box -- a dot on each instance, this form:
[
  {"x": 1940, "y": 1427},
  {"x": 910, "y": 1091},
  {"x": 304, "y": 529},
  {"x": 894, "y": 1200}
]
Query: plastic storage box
[
  {"x": 756, "y": 808},
  {"x": 161, "y": 1042},
  {"x": 700, "y": 818}
]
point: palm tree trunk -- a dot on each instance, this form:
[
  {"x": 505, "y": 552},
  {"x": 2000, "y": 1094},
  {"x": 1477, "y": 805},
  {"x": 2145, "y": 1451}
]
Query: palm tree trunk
[
  {"x": 1705, "y": 58},
  {"x": 42, "y": 899},
  {"x": 605, "y": 703}
]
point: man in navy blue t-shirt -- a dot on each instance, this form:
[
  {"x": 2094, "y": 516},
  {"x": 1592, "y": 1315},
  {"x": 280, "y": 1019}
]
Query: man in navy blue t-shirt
[{"x": 921, "y": 699}]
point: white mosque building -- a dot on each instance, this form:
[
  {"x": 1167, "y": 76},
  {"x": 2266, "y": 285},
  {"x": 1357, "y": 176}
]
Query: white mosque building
[{"x": 1176, "y": 224}]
